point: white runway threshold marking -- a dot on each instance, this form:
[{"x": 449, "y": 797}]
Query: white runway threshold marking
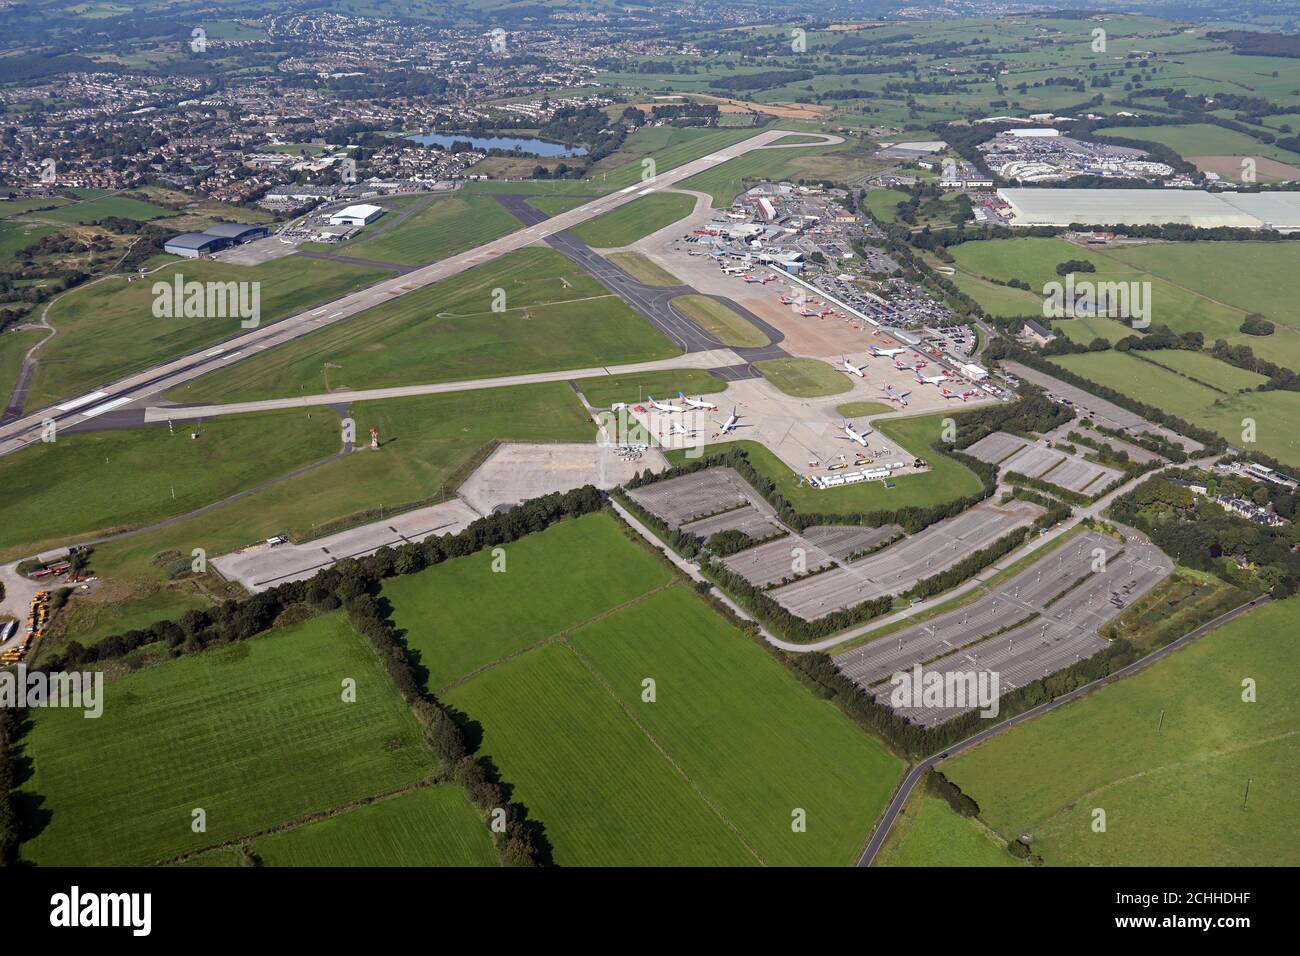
[
  {"x": 106, "y": 407},
  {"x": 628, "y": 189},
  {"x": 213, "y": 352},
  {"x": 644, "y": 191},
  {"x": 83, "y": 400}
]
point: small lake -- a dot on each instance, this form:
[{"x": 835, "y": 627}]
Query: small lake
[{"x": 529, "y": 144}]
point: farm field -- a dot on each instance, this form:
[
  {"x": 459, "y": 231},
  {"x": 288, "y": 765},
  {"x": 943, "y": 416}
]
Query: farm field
[
  {"x": 749, "y": 737},
  {"x": 1208, "y": 287},
  {"x": 461, "y": 615},
  {"x": 1200, "y": 139},
  {"x": 266, "y": 740},
  {"x": 15, "y": 235},
  {"x": 642, "y": 269},
  {"x": 605, "y": 390},
  {"x": 883, "y": 204},
  {"x": 429, "y": 826},
  {"x": 930, "y": 833},
  {"x": 146, "y": 474},
  {"x": 557, "y": 735},
  {"x": 720, "y": 321},
  {"x": 428, "y": 445},
  {"x": 1206, "y": 368},
  {"x": 1085, "y": 330},
  {"x": 107, "y": 329},
  {"x": 1104, "y": 752},
  {"x": 556, "y": 317},
  {"x": 102, "y": 207},
  {"x": 1274, "y": 412},
  {"x": 447, "y": 226},
  {"x": 804, "y": 378},
  {"x": 635, "y": 220}
]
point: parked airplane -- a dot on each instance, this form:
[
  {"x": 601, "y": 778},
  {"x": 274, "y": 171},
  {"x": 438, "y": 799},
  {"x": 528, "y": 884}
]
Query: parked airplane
[
  {"x": 730, "y": 424},
  {"x": 903, "y": 366},
  {"x": 847, "y": 366},
  {"x": 785, "y": 300},
  {"x": 895, "y": 396},
  {"x": 885, "y": 353},
  {"x": 853, "y": 435},
  {"x": 931, "y": 379},
  {"x": 664, "y": 406},
  {"x": 680, "y": 429},
  {"x": 948, "y": 394},
  {"x": 697, "y": 403}
]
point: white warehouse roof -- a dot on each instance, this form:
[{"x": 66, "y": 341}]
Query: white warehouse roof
[
  {"x": 1156, "y": 207},
  {"x": 363, "y": 212}
]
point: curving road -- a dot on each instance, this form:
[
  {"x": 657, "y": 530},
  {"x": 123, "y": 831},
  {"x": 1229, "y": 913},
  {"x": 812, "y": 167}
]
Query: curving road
[{"x": 918, "y": 771}]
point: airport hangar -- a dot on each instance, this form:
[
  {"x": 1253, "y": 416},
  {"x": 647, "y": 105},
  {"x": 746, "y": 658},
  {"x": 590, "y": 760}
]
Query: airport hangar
[
  {"x": 214, "y": 239},
  {"x": 1153, "y": 207}
]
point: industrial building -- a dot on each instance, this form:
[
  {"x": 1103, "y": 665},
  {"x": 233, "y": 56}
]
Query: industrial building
[
  {"x": 357, "y": 215},
  {"x": 1153, "y": 207},
  {"x": 192, "y": 245}
]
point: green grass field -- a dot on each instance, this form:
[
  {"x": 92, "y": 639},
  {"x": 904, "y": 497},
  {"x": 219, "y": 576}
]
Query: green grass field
[
  {"x": 635, "y": 220},
  {"x": 883, "y": 204},
  {"x": 751, "y": 739},
  {"x": 1172, "y": 787},
  {"x": 115, "y": 480},
  {"x": 1274, "y": 413},
  {"x": 462, "y": 615},
  {"x": 642, "y": 269},
  {"x": 555, "y": 317},
  {"x": 710, "y": 773},
  {"x": 448, "y": 225},
  {"x": 255, "y": 734},
  {"x": 430, "y": 826},
  {"x": 804, "y": 378},
  {"x": 1205, "y": 368},
  {"x": 930, "y": 833},
  {"x": 720, "y": 321},
  {"x": 1201, "y": 286},
  {"x": 605, "y": 390},
  {"x": 13, "y": 347},
  {"x": 108, "y": 329},
  {"x": 102, "y": 207},
  {"x": 1200, "y": 139},
  {"x": 427, "y": 445},
  {"x": 15, "y": 235},
  {"x": 604, "y": 792}
]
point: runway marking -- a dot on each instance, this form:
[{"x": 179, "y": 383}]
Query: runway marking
[
  {"x": 107, "y": 407},
  {"x": 213, "y": 352},
  {"x": 83, "y": 400}
]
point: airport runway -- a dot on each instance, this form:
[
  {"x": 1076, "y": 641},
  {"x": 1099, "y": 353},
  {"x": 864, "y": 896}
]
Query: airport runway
[{"x": 145, "y": 384}]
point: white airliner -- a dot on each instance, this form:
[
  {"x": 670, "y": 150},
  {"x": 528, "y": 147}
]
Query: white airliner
[
  {"x": 730, "y": 424},
  {"x": 698, "y": 403},
  {"x": 948, "y": 394},
  {"x": 931, "y": 379},
  {"x": 847, "y": 366},
  {"x": 853, "y": 435},
  {"x": 680, "y": 429},
  {"x": 885, "y": 353},
  {"x": 663, "y": 406}
]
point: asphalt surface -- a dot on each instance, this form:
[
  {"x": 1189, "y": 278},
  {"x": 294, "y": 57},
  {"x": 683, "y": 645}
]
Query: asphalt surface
[
  {"x": 26, "y": 430},
  {"x": 918, "y": 771}
]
